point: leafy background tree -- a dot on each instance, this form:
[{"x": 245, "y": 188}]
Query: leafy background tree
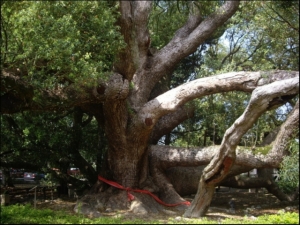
[
  {"x": 59, "y": 43},
  {"x": 289, "y": 170}
]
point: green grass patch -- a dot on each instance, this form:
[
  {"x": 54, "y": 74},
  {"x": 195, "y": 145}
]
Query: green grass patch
[
  {"x": 281, "y": 218},
  {"x": 26, "y": 214}
]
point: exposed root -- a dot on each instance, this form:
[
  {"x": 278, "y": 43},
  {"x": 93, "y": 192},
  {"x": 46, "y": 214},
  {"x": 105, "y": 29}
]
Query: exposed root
[{"x": 112, "y": 201}]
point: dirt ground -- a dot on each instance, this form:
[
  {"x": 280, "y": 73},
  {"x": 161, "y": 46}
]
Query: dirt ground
[{"x": 227, "y": 203}]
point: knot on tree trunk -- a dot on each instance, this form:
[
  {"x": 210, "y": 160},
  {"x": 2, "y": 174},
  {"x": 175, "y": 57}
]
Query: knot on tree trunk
[
  {"x": 224, "y": 169},
  {"x": 117, "y": 87},
  {"x": 148, "y": 121}
]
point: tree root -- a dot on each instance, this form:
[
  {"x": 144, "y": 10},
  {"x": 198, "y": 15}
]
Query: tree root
[{"x": 116, "y": 201}]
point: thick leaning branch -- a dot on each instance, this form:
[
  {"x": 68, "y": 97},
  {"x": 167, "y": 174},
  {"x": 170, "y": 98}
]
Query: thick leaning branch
[
  {"x": 194, "y": 32},
  {"x": 190, "y": 173},
  {"x": 185, "y": 180},
  {"x": 279, "y": 146},
  {"x": 234, "y": 81},
  {"x": 219, "y": 167},
  {"x": 167, "y": 123},
  {"x": 19, "y": 95}
]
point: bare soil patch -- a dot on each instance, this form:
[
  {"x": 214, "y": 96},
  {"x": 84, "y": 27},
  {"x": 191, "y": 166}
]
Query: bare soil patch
[
  {"x": 227, "y": 203},
  {"x": 248, "y": 203}
]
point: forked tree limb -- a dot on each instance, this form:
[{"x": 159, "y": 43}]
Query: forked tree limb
[{"x": 220, "y": 165}]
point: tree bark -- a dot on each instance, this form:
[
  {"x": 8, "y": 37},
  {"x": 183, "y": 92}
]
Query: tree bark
[{"x": 168, "y": 122}]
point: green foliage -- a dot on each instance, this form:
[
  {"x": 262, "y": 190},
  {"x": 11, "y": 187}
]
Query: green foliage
[
  {"x": 252, "y": 44},
  {"x": 165, "y": 19},
  {"x": 59, "y": 42},
  {"x": 51, "y": 136},
  {"x": 25, "y": 214},
  {"x": 289, "y": 170}
]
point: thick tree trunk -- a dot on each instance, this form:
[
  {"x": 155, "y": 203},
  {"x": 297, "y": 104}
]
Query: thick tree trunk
[{"x": 6, "y": 178}]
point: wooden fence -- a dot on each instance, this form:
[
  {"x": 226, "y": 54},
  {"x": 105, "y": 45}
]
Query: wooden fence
[{"x": 20, "y": 194}]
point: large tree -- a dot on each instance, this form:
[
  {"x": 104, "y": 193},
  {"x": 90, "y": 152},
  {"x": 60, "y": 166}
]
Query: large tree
[{"x": 98, "y": 57}]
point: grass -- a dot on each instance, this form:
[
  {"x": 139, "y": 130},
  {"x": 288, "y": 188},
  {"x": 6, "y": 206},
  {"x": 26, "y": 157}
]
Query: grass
[{"x": 26, "y": 214}]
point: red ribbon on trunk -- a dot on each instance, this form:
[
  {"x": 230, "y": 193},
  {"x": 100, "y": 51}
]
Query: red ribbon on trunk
[{"x": 131, "y": 197}]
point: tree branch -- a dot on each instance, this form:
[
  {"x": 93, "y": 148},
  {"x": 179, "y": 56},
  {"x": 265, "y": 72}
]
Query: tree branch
[
  {"x": 283, "y": 20},
  {"x": 167, "y": 123},
  {"x": 238, "y": 81},
  {"x": 220, "y": 165},
  {"x": 182, "y": 45},
  {"x": 286, "y": 132},
  {"x": 260, "y": 102},
  {"x": 134, "y": 27},
  {"x": 20, "y": 96}
]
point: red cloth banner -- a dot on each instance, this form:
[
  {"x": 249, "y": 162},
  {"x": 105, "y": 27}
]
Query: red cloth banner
[{"x": 131, "y": 197}]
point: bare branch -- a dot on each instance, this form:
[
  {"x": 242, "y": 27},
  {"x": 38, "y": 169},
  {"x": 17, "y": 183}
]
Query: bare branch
[
  {"x": 184, "y": 44},
  {"x": 167, "y": 123},
  {"x": 238, "y": 81},
  {"x": 286, "y": 133},
  {"x": 20, "y": 96},
  {"x": 260, "y": 102}
]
